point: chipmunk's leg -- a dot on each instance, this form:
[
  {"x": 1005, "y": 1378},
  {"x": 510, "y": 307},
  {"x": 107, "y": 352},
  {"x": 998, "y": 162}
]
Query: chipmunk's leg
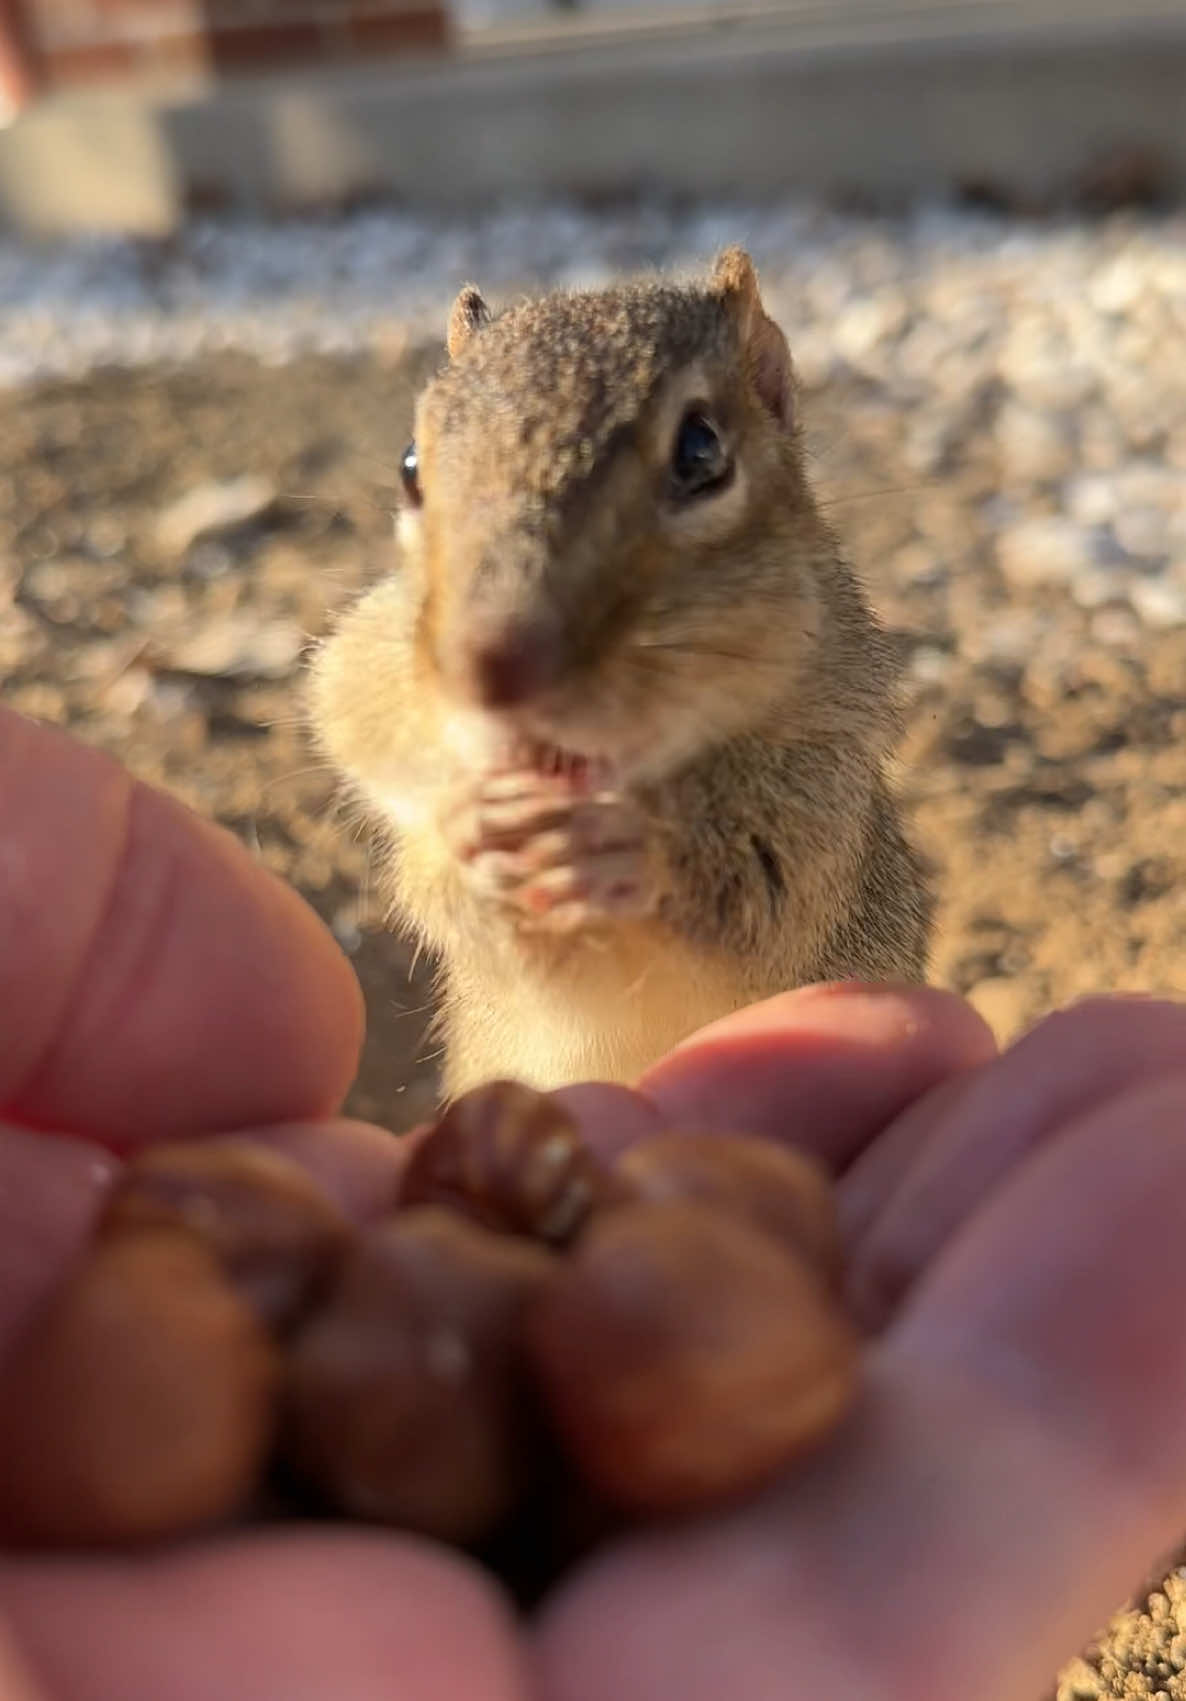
[{"x": 555, "y": 857}]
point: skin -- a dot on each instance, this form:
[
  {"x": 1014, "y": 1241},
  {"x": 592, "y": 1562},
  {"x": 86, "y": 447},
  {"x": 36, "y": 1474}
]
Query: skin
[{"x": 1014, "y": 1232}]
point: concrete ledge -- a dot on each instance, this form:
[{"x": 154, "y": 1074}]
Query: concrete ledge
[{"x": 851, "y": 98}]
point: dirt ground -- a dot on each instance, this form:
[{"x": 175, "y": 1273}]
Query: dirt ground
[{"x": 1045, "y": 762}]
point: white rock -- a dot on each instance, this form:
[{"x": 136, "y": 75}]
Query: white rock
[
  {"x": 106, "y": 536},
  {"x": 814, "y": 356},
  {"x": 930, "y": 666},
  {"x": 211, "y": 508},
  {"x": 1011, "y": 636},
  {"x": 867, "y": 323},
  {"x": 930, "y": 437},
  {"x": 127, "y": 692},
  {"x": 1150, "y": 484},
  {"x": 1090, "y": 499},
  {"x": 920, "y": 351},
  {"x": 1118, "y": 628},
  {"x": 160, "y": 607},
  {"x": 1040, "y": 369},
  {"x": 239, "y": 643},
  {"x": 1046, "y": 549},
  {"x": 1002, "y": 1003},
  {"x": 1159, "y": 602},
  {"x": 19, "y": 633},
  {"x": 1033, "y": 446},
  {"x": 1143, "y": 532},
  {"x": 1116, "y": 288},
  {"x": 1092, "y": 587}
]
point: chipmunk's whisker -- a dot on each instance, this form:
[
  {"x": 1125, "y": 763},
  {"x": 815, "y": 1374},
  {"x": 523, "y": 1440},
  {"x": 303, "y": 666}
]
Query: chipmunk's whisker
[{"x": 697, "y": 650}]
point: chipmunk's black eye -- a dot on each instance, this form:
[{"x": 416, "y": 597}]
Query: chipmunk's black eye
[
  {"x": 409, "y": 472},
  {"x": 699, "y": 461}
]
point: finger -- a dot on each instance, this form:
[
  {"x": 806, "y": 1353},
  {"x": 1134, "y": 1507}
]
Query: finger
[
  {"x": 825, "y": 1068},
  {"x": 611, "y": 1117},
  {"x": 154, "y": 980},
  {"x": 963, "y": 1140},
  {"x": 880, "y": 1168},
  {"x": 1013, "y": 1467},
  {"x": 357, "y": 1164},
  {"x": 50, "y": 1194},
  {"x": 357, "y": 1616},
  {"x": 16, "y": 1680}
]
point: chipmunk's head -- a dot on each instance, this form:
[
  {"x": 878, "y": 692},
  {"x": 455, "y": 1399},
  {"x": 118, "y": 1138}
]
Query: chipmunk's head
[{"x": 607, "y": 510}]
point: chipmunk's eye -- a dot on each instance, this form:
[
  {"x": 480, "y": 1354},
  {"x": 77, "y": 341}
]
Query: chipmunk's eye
[
  {"x": 699, "y": 461},
  {"x": 409, "y": 472}
]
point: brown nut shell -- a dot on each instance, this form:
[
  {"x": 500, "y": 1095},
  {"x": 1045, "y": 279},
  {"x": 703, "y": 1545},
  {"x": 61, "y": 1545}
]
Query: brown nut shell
[
  {"x": 408, "y": 1399},
  {"x": 275, "y": 1233},
  {"x": 140, "y": 1404},
  {"x": 511, "y": 1159},
  {"x": 784, "y": 1191},
  {"x": 686, "y": 1357}
]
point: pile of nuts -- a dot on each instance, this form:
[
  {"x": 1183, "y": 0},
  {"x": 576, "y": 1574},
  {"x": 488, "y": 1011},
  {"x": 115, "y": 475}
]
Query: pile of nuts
[{"x": 530, "y": 1349}]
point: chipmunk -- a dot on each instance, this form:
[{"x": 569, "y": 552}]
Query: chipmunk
[{"x": 623, "y": 705}]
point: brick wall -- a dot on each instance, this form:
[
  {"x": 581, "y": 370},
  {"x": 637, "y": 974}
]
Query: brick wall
[{"x": 67, "y": 42}]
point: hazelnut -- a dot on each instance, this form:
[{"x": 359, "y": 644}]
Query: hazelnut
[
  {"x": 408, "y": 1400},
  {"x": 778, "y": 1189},
  {"x": 686, "y": 1356},
  {"x": 274, "y": 1232},
  {"x": 513, "y": 1160},
  {"x": 140, "y": 1403}
]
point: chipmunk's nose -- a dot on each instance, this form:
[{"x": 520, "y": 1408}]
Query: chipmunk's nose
[{"x": 504, "y": 667}]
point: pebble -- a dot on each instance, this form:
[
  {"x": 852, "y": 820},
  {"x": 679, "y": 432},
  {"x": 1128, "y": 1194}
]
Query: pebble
[
  {"x": 241, "y": 643},
  {"x": 1043, "y": 309},
  {"x": 1093, "y": 587},
  {"x": 1034, "y": 447},
  {"x": 1142, "y": 532},
  {"x": 930, "y": 666},
  {"x": 1090, "y": 499},
  {"x": 1159, "y": 602},
  {"x": 1042, "y": 550},
  {"x": 1002, "y": 1001},
  {"x": 1035, "y": 342},
  {"x": 930, "y": 441},
  {"x": 127, "y": 692},
  {"x": 1009, "y": 639},
  {"x": 1118, "y": 286},
  {"x": 210, "y": 509},
  {"x": 18, "y": 637},
  {"x": 868, "y": 324},
  {"x": 1117, "y": 628}
]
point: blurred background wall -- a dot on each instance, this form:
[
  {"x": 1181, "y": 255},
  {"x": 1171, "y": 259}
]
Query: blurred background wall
[
  {"x": 136, "y": 110},
  {"x": 73, "y": 43}
]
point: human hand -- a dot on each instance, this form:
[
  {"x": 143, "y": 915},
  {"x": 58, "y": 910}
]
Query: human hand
[{"x": 1014, "y": 1234}]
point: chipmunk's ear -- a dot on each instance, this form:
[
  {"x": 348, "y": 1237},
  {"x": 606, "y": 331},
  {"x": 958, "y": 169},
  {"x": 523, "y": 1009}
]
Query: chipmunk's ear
[
  {"x": 469, "y": 314},
  {"x": 767, "y": 355}
]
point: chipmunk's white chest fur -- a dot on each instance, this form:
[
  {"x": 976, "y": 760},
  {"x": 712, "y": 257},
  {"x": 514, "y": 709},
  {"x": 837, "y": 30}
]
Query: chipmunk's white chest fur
[{"x": 603, "y": 1014}]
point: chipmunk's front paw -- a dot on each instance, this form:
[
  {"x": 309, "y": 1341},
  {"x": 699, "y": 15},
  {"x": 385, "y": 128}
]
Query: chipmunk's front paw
[{"x": 558, "y": 860}]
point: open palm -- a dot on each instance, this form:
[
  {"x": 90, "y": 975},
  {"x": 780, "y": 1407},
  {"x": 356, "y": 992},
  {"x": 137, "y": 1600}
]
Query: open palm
[{"x": 1012, "y": 1470}]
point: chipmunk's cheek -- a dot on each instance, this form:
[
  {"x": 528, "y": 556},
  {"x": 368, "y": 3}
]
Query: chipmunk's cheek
[
  {"x": 474, "y": 742},
  {"x": 714, "y": 517},
  {"x": 409, "y": 530}
]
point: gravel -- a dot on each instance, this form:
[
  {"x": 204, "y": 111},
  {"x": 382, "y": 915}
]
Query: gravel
[{"x": 1061, "y": 335}]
